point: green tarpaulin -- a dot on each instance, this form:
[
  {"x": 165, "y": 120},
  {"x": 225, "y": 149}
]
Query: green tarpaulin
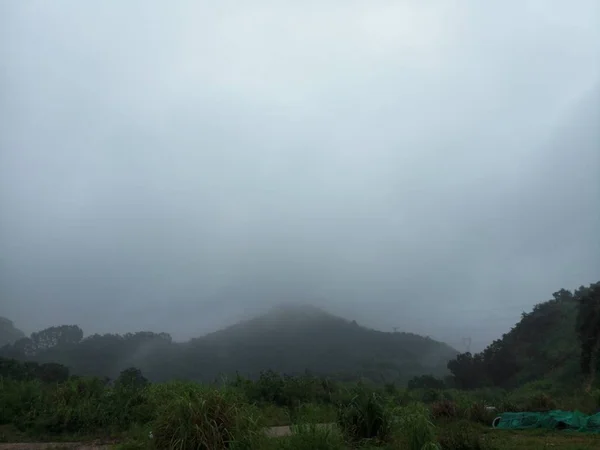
[{"x": 551, "y": 420}]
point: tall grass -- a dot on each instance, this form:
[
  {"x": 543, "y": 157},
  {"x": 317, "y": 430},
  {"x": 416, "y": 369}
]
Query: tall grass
[
  {"x": 365, "y": 417},
  {"x": 415, "y": 428},
  {"x": 201, "y": 418}
]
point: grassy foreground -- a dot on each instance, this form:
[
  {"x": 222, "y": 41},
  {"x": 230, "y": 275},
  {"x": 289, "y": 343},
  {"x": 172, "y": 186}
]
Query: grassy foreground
[{"x": 237, "y": 414}]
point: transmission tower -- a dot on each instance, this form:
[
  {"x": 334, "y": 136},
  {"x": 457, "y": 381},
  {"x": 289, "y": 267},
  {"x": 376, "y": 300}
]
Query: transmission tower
[{"x": 467, "y": 343}]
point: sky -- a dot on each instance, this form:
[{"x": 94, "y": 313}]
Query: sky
[{"x": 178, "y": 166}]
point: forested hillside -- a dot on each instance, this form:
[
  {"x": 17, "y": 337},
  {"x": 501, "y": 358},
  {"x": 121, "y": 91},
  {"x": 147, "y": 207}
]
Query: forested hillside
[
  {"x": 288, "y": 340},
  {"x": 553, "y": 341}
]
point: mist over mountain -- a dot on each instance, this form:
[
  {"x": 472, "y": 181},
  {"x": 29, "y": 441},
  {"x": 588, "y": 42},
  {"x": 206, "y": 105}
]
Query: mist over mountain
[
  {"x": 8, "y": 332},
  {"x": 290, "y": 339}
]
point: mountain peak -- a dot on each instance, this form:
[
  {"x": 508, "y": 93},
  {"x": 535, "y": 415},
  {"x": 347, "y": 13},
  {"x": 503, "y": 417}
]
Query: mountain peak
[{"x": 307, "y": 310}]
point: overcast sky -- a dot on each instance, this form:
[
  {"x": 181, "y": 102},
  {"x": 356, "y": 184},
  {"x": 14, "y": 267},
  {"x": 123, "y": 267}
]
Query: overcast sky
[{"x": 432, "y": 165}]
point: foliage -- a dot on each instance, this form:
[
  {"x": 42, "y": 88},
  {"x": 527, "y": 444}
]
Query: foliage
[
  {"x": 417, "y": 430},
  {"x": 444, "y": 409},
  {"x": 588, "y": 329},
  {"x": 365, "y": 417},
  {"x": 289, "y": 340},
  {"x": 461, "y": 435},
  {"x": 545, "y": 343},
  {"x": 131, "y": 379},
  {"x": 190, "y": 415},
  {"x": 193, "y": 417},
  {"x": 313, "y": 436},
  {"x": 426, "y": 382},
  {"x": 48, "y": 372}
]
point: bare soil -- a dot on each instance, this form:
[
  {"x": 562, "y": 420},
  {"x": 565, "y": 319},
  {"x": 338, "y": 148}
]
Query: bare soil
[
  {"x": 272, "y": 431},
  {"x": 55, "y": 446}
]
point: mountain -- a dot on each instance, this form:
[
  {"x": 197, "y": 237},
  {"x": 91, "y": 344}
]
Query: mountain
[
  {"x": 289, "y": 339},
  {"x": 292, "y": 339},
  {"x": 8, "y": 332}
]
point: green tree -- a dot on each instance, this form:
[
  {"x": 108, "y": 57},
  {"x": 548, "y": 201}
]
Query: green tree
[
  {"x": 588, "y": 330},
  {"x": 131, "y": 378},
  {"x": 56, "y": 336},
  {"x": 468, "y": 371}
]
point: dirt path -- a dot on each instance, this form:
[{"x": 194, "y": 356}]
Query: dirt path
[
  {"x": 272, "y": 432},
  {"x": 55, "y": 446}
]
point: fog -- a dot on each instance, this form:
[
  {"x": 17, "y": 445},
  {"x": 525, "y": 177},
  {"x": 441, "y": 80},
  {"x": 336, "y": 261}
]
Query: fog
[{"x": 428, "y": 165}]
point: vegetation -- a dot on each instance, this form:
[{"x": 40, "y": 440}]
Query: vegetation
[
  {"x": 236, "y": 413},
  {"x": 43, "y": 400},
  {"x": 288, "y": 340},
  {"x": 559, "y": 340}
]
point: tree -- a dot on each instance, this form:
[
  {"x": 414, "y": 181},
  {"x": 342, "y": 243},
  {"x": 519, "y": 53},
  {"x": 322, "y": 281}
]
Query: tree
[
  {"x": 131, "y": 378},
  {"x": 468, "y": 371},
  {"x": 56, "y": 336},
  {"x": 588, "y": 330},
  {"x": 426, "y": 382}
]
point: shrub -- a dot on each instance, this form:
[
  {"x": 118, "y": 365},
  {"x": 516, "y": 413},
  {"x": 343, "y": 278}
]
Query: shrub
[
  {"x": 365, "y": 417},
  {"x": 21, "y": 402},
  {"x": 416, "y": 429},
  {"x": 431, "y": 395},
  {"x": 507, "y": 405},
  {"x": 444, "y": 409},
  {"x": 479, "y": 413},
  {"x": 426, "y": 382},
  {"x": 312, "y": 436},
  {"x": 540, "y": 402},
  {"x": 132, "y": 379},
  {"x": 192, "y": 417},
  {"x": 460, "y": 436}
]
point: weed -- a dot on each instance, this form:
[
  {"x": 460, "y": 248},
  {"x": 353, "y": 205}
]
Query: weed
[
  {"x": 205, "y": 419},
  {"x": 540, "y": 402},
  {"x": 312, "y": 436},
  {"x": 365, "y": 417},
  {"x": 444, "y": 409},
  {"x": 479, "y": 413},
  {"x": 415, "y": 427},
  {"x": 460, "y": 436}
]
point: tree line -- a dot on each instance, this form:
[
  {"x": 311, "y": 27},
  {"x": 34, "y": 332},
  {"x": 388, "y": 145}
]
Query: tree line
[{"x": 560, "y": 337}]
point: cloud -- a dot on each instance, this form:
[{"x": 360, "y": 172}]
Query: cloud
[{"x": 410, "y": 163}]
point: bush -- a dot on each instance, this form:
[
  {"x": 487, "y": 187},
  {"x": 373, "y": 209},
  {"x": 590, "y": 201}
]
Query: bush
[
  {"x": 312, "y": 436},
  {"x": 286, "y": 391},
  {"x": 416, "y": 429},
  {"x": 540, "y": 402},
  {"x": 445, "y": 409},
  {"x": 131, "y": 379},
  {"x": 431, "y": 395},
  {"x": 21, "y": 402},
  {"x": 507, "y": 405},
  {"x": 479, "y": 413},
  {"x": 460, "y": 436},
  {"x": 426, "y": 382},
  {"x": 192, "y": 417},
  {"x": 365, "y": 417}
]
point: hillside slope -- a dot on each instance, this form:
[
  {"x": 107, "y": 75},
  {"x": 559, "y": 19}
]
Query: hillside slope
[
  {"x": 288, "y": 339},
  {"x": 542, "y": 345},
  {"x": 293, "y": 339}
]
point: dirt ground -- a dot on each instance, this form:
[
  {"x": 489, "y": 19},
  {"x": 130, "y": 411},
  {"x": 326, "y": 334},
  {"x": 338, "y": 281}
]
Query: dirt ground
[
  {"x": 55, "y": 446},
  {"x": 273, "y": 431}
]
